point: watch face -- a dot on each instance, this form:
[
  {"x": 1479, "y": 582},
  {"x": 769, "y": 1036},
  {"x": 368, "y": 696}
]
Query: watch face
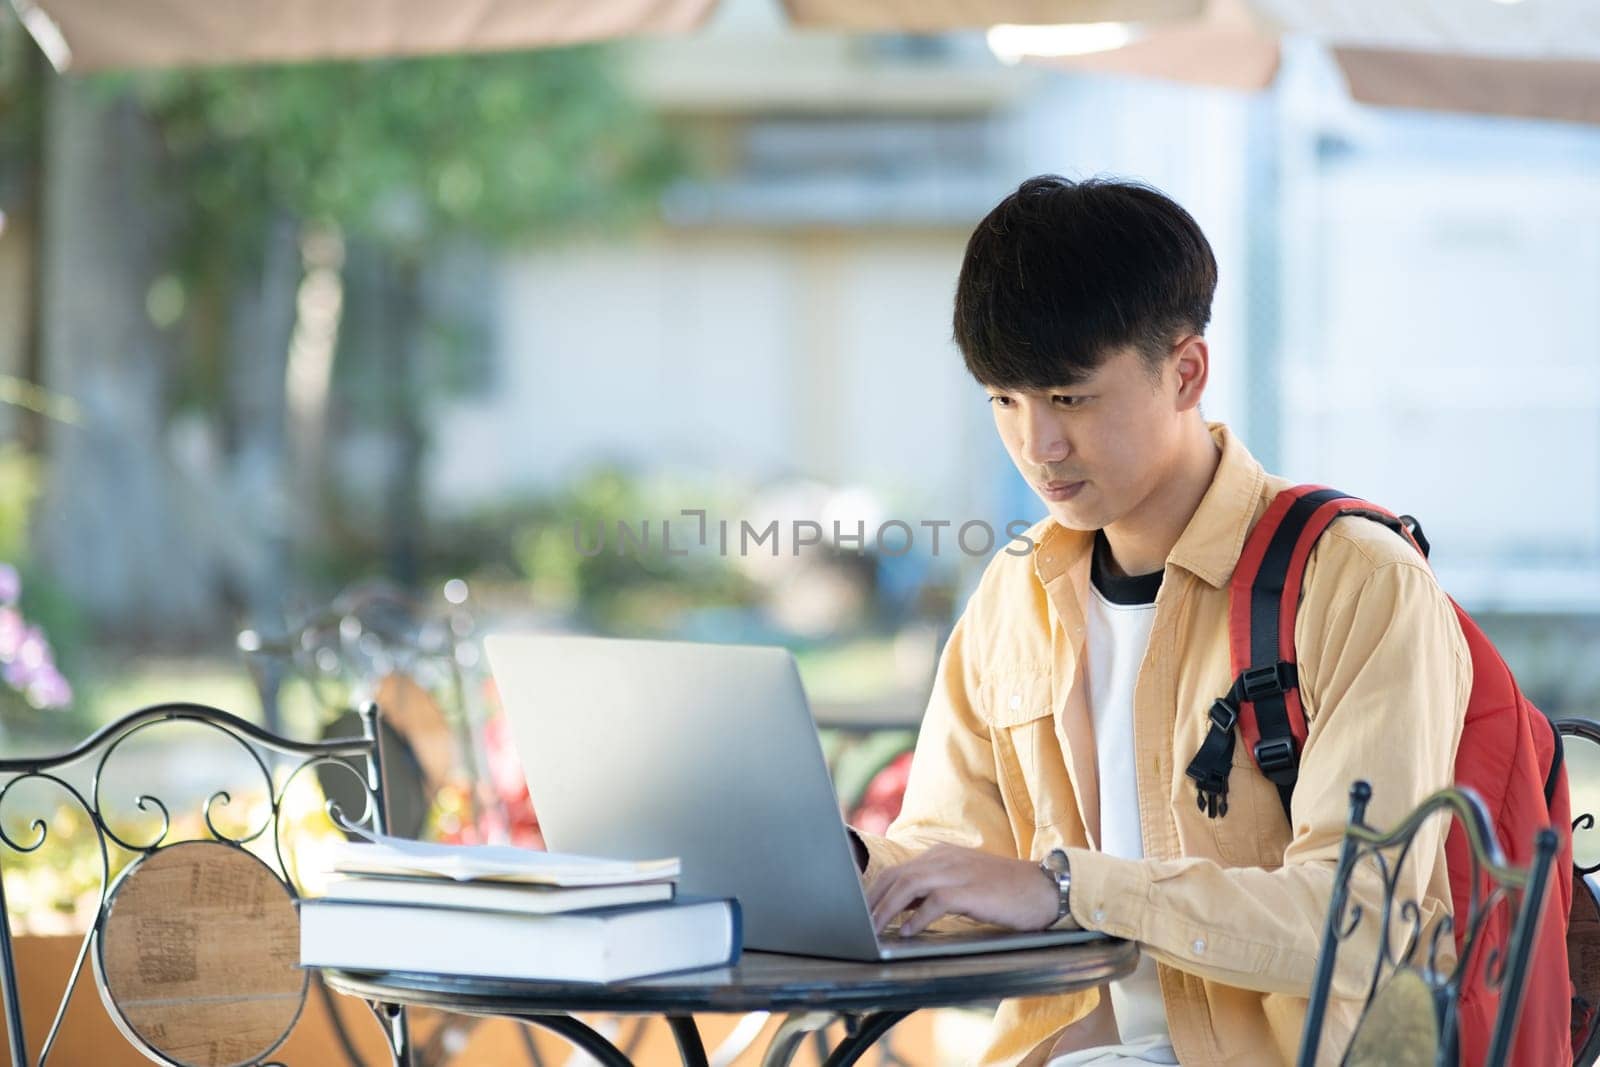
[{"x": 1056, "y": 860}]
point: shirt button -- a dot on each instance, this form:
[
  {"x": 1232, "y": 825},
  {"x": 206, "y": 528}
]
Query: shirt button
[
  {"x": 1099, "y": 915},
  {"x": 1199, "y": 946},
  {"x": 1049, "y": 559},
  {"x": 1016, "y": 701}
]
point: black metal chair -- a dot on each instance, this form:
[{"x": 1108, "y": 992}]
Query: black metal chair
[
  {"x": 1581, "y": 738},
  {"x": 375, "y": 641},
  {"x": 195, "y": 943},
  {"x": 1409, "y": 1012}
]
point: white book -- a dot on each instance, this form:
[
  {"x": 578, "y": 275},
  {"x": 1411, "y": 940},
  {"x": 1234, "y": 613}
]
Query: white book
[
  {"x": 595, "y": 946},
  {"x": 494, "y": 896},
  {"x": 382, "y": 854}
]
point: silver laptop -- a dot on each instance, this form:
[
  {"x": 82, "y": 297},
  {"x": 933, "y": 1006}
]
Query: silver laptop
[{"x": 641, "y": 749}]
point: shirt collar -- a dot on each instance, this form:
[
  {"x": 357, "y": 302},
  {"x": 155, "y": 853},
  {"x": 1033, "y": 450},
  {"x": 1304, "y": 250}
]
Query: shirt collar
[{"x": 1209, "y": 546}]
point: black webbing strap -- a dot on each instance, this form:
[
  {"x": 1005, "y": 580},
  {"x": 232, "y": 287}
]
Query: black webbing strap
[
  {"x": 1265, "y": 684},
  {"x": 1211, "y": 763},
  {"x": 1214, "y": 760},
  {"x": 1268, "y": 681}
]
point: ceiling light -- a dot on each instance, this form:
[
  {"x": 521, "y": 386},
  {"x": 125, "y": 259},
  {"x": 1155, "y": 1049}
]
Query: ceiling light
[{"x": 1012, "y": 43}]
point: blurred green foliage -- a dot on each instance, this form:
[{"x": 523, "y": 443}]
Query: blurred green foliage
[
  {"x": 568, "y": 546},
  {"x": 19, "y": 485},
  {"x": 406, "y": 152},
  {"x": 402, "y": 166},
  {"x": 21, "y": 107},
  {"x": 399, "y": 158}
]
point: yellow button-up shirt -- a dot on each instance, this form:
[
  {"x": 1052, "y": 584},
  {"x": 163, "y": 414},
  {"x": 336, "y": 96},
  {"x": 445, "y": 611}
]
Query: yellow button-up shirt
[{"x": 1231, "y": 908}]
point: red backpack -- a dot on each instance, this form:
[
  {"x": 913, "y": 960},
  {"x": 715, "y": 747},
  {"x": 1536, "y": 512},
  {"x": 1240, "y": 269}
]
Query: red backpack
[{"x": 1510, "y": 755}]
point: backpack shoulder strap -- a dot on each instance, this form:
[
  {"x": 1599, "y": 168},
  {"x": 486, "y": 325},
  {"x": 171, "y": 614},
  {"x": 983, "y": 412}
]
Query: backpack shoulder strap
[{"x": 1263, "y": 601}]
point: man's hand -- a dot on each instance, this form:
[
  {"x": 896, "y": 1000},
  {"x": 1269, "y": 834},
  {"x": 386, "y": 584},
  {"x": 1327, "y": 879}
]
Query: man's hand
[{"x": 948, "y": 880}]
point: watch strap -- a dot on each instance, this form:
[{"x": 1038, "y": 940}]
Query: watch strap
[{"x": 1057, "y": 870}]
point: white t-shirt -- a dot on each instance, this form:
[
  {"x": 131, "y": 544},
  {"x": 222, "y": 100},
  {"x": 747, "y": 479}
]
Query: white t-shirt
[{"x": 1120, "y": 613}]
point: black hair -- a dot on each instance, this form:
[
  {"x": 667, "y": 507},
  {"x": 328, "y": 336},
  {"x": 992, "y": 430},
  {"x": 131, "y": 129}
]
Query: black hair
[{"x": 1062, "y": 273}]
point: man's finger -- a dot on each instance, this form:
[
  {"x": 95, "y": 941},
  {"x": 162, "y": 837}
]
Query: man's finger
[
  {"x": 893, "y": 878},
  {"x": 882, "y": 885},
  {"x": 934, "y": 906},
  {"x": 911, "y": 887},
  {"x": 891, "y": 906}
]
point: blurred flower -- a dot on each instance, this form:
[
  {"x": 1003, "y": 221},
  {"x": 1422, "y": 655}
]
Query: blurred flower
[
  {"x": 880, "y": 803},
  {"x": 32, "y": 653},
  {"x": 49, "y": 689},
  {"x": 511, "y": 817},
  {"x": 27, "y": 664},
  {"x": 11, "y": 630},
  {"x": 505, "y": 775}
]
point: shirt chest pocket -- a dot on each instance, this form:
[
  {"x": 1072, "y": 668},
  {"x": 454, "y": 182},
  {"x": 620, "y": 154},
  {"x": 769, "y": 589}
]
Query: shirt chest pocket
[
  {"x": 1253, "y": 833},
  {"x": 1032, "y": 769}
]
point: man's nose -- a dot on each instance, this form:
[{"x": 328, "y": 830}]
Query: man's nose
[{"x": 1043, "y": 443}]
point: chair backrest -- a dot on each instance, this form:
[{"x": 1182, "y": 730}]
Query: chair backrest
[
  {"x": 195, "y": 944},
  {"x": 375, "y": 641},
  {"x": 1497, "y": 889},
  {"x": 1582, "y": 741}
]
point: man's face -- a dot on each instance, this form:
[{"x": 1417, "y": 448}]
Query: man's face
[{"x": 1096, "y": 451}]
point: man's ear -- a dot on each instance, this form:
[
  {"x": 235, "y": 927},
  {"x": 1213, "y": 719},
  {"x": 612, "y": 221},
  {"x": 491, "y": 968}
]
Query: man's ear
[{"x": 1190, "y": 364}]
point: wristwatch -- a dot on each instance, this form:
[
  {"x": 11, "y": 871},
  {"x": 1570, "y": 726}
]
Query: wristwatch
[{"x": 1055, "y": 868}]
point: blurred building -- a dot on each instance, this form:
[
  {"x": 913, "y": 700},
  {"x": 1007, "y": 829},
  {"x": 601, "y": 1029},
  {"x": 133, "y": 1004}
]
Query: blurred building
[
  {"x": 791, "y": 317},
  {"x": 1404, "y": 310}
]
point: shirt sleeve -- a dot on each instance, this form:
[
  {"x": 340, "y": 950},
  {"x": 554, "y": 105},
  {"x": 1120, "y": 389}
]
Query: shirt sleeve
[
  {"x": 1386, "y": 685},
  {"x": 952, "y": 795}
]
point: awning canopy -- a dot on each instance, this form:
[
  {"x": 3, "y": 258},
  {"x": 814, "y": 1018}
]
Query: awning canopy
[
  {"x": 1533, "y": 58},
  {"x": 92, "y": 35}
]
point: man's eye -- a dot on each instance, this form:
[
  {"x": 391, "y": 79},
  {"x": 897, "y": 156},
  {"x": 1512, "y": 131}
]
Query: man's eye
[
  {"x": 1000, "y": 401},
  {"x": 1069, "y": 401}
]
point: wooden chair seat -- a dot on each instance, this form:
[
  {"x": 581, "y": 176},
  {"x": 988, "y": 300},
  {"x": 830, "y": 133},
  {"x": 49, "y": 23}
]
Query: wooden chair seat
[
  {"x": 1400, "y": 1027},
  {"x": 196, "y": 955},
  {"x": 196, "y": 943}
]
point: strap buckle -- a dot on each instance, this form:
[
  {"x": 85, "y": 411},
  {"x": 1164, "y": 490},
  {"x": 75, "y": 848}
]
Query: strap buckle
[
  {"x": 1274, "y": 755},
  {"x": 1270, "y": 681},
  {"x": 1223, "y": 715}
]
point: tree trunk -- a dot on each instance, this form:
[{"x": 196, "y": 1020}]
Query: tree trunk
[
  {"x": 403, "y": 540},
  {"x": 115, "y": 526},
  {"x": 21, "y": 177},
  {"x": 259, "y": 489},
  {"x": 261, "y": 322}
]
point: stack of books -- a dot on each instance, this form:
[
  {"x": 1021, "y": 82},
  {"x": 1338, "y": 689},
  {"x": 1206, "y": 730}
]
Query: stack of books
[{"x": 498, "y": 912}]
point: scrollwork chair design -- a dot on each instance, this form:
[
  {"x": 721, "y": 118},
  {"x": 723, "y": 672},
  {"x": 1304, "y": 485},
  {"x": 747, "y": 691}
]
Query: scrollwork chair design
[
  {"x": 1582, "y": 740},
  {"x": 196, "y": 917},
  {"x": 1425, "y": 967},
  {"x": 1421, "y": 967},
  {"x": 375, "y": 641}
]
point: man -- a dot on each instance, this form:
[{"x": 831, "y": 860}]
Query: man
[{"x": 1074, "y": 689}]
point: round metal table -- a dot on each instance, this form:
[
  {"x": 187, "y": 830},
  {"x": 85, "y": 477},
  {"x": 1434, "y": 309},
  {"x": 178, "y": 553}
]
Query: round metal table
[{"x": 871, "y": 997}]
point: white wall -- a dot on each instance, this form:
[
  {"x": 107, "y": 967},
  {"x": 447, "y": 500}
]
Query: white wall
[
  {"x": 824, "y": 355},
  {"x": 1453, "y": 372}
]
